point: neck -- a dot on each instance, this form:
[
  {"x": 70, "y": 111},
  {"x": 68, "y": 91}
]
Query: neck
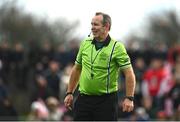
[{"x": 103, "y": 38}]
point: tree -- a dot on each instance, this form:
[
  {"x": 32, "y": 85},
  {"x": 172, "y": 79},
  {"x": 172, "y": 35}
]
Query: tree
[
  {"x": 161, "y": 28},
  {"x": 16, "y": 25},
  {"x": 165, "y": 28}
]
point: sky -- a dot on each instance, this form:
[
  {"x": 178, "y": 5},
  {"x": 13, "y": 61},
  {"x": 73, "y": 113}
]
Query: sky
[{"x": 127, "y": 15}]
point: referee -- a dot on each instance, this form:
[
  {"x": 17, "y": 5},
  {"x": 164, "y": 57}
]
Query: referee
[{"x": 96, "y": 71}]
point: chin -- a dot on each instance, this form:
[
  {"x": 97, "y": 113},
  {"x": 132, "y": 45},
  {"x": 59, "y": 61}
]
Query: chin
[{"x": 95, "y": 36}]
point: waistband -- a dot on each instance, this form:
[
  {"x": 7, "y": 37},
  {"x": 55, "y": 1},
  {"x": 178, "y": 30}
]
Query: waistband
[{"x": 102, "y": 95}]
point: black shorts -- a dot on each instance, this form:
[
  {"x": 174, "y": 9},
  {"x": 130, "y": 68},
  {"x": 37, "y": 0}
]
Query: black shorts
[{"x": 91, "y": 108}]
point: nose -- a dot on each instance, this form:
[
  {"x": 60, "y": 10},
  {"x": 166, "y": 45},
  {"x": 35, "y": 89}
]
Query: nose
[{"x": 92, "y": 28}]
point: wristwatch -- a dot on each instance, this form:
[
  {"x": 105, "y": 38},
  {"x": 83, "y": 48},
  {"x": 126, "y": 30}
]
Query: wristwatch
[
  {"x": 68, "y": 93},
  {"x": 131, "y": 98}
]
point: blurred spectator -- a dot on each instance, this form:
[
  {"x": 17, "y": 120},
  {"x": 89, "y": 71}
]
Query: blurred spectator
[
  {"x": 61, "y": 56},
  {"x": 33, "y": 54},
  {"x": 172, "y": 99},
  {"x": 46, "y": 54},
  {"x": 3, "y": 91},
  {"x": 1, "y": 66},
  {"x": 176, "y": 68},
  {"x": 161, "y": 116},
  {"x": 173, "y": 53},
  {"x": 139, "y": 114},
  {"x": 41, "y": 90},
  {"x": 139, "y": 69},
  {"x": 156, "y": 80},
  {"x": 172, "y": 102},
  {"x": 176, "y": 116},
  {"x": 53, "y": 77},
  {"x": 39, "y": 68},
  {"x": 5, "y": 57},
  {"x": 18, "y": 66},
  {"x": 55, "y": 112},
  {"x": 72, "y": 51},
  {"x": 65, "y": 80},
  {"x": 7, "y": 110},
  {"x": 38, "y": 112}
]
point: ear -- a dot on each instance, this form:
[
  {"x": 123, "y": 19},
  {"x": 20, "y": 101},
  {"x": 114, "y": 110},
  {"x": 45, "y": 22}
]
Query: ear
[{"x": 107, "y": 26}]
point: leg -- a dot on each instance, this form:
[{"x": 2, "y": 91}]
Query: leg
[
  {"x": 82, "y": 109},
  {"x": 107, "y": 109}
]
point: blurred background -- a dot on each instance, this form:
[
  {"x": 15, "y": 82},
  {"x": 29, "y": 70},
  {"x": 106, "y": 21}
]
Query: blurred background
[{"x": 39, "y": 41}]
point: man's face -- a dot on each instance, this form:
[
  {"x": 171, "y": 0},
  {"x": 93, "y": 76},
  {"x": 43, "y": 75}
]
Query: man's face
[{"x": 97, "y": 28}]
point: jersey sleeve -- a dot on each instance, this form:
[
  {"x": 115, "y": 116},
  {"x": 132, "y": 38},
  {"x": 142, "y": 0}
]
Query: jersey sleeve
[
  {"x": 121, "y": 56},
  {"x": 79, "y": 55}
]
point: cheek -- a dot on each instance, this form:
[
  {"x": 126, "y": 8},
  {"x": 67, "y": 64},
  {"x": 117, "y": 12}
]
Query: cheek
[{"x": 101, "y": 31}]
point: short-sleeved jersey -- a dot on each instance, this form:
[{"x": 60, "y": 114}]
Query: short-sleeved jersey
[{"x": 103, "y": 63}]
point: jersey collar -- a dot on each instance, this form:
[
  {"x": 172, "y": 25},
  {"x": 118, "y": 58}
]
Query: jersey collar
[{"x": 105, "y": 43}]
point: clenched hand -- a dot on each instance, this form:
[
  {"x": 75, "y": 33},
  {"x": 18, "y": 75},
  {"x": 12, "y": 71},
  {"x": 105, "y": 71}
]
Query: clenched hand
[
  {"x": 127, "y": 105},
  {"x": 68, "y": 101}
]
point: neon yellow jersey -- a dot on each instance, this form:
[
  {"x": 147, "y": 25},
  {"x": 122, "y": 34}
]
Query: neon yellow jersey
[{"x": 100, "y": 68}]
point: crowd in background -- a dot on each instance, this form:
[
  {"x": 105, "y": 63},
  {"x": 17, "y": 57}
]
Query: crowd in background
[{"x": 33, "y": 82}]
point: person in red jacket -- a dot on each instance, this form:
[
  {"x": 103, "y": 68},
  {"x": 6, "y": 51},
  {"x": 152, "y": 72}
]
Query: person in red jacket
[{"x": 156, "y": 81}]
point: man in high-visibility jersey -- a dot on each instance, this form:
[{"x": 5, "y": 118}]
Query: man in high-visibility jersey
[{"x": 96, "y": 71}]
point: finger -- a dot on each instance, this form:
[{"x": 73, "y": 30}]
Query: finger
[
  {"x": 67, "y": 104},
  {"x": 124, "y": 107},
  {"x": 129, "y": 109},
  {"x": 70, "y": 108}
]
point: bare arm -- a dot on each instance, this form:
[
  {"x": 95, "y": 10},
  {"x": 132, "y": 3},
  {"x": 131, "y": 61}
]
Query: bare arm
[
  {"x": 73, "y": 82},
  {"x": 128, "y": 105},
  {"x": 130, "y": 81},
  {"x": 74, "y": 78}
]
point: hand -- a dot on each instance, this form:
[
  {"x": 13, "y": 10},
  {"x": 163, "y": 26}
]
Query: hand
[
  {"x": 68, "y": 101},
  {"x": 128, "y": 105}
]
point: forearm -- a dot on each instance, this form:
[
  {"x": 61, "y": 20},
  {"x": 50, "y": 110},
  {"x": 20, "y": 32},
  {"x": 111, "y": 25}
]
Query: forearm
[
  {"x": 74, "y": 78},
  {"x": 130, "y": 82}
]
